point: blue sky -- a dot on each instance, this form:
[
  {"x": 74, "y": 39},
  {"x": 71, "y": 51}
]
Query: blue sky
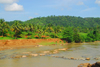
[{"x": 26, "y": 9}]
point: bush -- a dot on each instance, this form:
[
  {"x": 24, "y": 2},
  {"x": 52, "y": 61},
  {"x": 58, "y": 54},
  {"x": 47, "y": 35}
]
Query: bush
[
  {"x": 88, "y": 39},
  {"x": 77, "y": 38},
  {"x": 29, "y": 37},
  {"x": 52, "y": 35}
]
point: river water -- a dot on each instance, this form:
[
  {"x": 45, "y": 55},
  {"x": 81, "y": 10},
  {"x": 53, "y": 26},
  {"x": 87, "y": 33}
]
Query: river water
[{"x": 78, "y": 51}]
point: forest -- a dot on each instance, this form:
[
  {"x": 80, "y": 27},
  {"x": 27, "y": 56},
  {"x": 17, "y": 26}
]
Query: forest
[{"x": 68, "y": 28}]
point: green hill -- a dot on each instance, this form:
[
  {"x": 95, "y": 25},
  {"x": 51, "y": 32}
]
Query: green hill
[{"x": 66, "y": 21}]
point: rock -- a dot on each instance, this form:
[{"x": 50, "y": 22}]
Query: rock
[
  {"x": 72, "y": 58},
  {"x": 96, "y": 58},
  {"x": 97, "y": 64},
  {"x": 55, "y": 51},
  {"x": 46, "y": 52},
  {"x": 56, "y": 56},
  {"x": 62, "y": 56},
  {"x": 24, "y": 56},
  {"x": 40, "y": 45},
  {"x": 87, "y": 58},
  {"x": 42, "y": 54},
  {"x": 63, "y": 49},
  {"x": 85, "y": 65},
  {"x": 18, "y": 56},
  {"x": 82, "y": 58},
  {"x": 35, "y": 55},
  {"x": 26, "y": 52}
]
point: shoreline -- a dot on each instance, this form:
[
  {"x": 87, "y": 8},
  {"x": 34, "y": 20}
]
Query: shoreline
[{"x": 24, "y": 43}]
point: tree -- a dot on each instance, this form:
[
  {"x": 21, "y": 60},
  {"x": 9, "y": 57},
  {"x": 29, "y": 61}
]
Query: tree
[
  {"x": 17, "y": 28},
  {"x": 90, "y": 37},
  {"x": 4, "y": 27},
  {"x": 68, "y": 34}
]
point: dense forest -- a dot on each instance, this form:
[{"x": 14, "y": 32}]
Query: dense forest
[{"x": 69, "y": 28}]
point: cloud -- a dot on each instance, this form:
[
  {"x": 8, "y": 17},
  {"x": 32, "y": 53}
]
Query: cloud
[
  {"x": 97, "y": 2},
  {"x": 8, "y": 1},
  {"x": 31, "y": 17},
  {"x": 36, "y": 14},
  {"x": 65, "y": 4},
  {"x": 14, "y": 7},
  {"x": 80, "y": 3},
  {"x": 89, "y": 9}
]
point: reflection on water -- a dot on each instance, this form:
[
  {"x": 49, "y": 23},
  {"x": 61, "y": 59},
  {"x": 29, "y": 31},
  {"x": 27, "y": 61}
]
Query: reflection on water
[{"x": 78, "y": 51}]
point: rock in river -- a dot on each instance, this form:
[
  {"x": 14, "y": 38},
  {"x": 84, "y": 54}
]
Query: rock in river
[
  {"x": 97, "y": 64},
  {"x": 87, "y": 58}
]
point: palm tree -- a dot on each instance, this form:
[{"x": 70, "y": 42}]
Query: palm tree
[
  {"x": 17, "y": 28},
  {"x": 4, "y": 27}
]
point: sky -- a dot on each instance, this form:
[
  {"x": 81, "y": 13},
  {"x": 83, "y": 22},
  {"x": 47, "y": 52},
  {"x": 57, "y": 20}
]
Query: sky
[{"x": 27, "y": 9}]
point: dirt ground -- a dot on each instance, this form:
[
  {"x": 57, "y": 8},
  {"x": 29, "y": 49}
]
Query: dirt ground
[{"x": 21, "y": 43}]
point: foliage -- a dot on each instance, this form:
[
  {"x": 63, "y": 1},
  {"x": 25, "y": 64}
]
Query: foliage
[
  {"x": 3, "y": 27},
  {"x": 69, "y": 28},
  {"x": 68, "y": 34}
]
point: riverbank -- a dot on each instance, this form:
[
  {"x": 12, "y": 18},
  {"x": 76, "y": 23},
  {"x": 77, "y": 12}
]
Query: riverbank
[
  {"x": 21, "y": 43},
  {"x": 53, "y": 56}
]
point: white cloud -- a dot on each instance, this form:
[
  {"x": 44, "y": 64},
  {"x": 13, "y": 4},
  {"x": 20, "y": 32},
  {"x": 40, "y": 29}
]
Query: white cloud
[
  {"x": 14, "y": 7},
  {"x": 89, "y": 9},
  {"x": 65, "y": 4},
  {"x": 31, "y": 17},
  {"x": 36, "y": 14},
  {"x": 8, "y": 1},
  {"x": 97, "y": 2},
  {"x": 80, "y": 3}
]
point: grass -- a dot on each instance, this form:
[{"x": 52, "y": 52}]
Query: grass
[
  {"x": 51, "y": 43},
  {"x": 5, "y": 38},
  {"x": 10, "y": 38},
  {"x": 83, "y": 34},
  {"x": 21, "y": 38},
  {"x": 47, "y": 43}
]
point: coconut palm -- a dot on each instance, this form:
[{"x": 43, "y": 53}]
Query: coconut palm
[
  {"x": 17, "y": 28},
  {"x": 4, "y": 27}
]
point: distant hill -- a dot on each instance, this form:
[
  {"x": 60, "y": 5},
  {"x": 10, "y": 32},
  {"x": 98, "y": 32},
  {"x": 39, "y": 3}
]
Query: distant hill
[{"x": 65, "y": 21}]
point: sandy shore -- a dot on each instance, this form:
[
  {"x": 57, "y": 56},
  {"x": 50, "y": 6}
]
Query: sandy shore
[{"x": 20, "y": 43}]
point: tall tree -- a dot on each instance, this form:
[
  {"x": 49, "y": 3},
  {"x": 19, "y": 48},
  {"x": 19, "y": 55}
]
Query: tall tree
[
  {"x": 17, "y": 28},
  {"x": 68, "y": 34},
  {"x": 4, "y": 27}
]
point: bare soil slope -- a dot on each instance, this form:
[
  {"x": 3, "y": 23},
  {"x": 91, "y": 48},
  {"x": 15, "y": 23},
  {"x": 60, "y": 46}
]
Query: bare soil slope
[{"x": 10, "y": 44}]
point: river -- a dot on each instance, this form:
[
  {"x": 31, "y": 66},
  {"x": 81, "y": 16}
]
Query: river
[{"x": 75, "y": 54}]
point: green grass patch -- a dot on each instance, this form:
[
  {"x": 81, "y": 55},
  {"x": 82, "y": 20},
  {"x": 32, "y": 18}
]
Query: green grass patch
[
  {"x": 21, "y": 38},
  {"x": 47, "y": 43},
  {"x": 83, "y": 34},
  {"x": 5, "y": 38}
]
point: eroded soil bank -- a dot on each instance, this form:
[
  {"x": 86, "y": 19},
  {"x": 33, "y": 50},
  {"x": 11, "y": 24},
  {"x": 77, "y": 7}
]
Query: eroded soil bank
[{"x": 21, "y": 43}]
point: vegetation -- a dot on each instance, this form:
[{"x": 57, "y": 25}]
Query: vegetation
[{"x": 69, "y": 28}]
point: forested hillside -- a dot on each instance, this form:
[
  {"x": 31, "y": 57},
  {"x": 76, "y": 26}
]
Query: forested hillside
[
  {"x": 64, "y": 21},
  {"x": 69, "y": 28}
]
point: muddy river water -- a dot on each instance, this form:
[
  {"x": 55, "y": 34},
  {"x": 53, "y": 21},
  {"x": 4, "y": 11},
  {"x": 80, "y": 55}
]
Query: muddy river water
[{"x": 45, "y": 56}]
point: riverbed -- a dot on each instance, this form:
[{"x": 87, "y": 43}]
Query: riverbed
[{"x": 51, "y": 56}]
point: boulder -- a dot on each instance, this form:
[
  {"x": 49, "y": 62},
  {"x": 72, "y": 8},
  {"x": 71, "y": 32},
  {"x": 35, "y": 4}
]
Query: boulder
[
  {"x": 87, "y": 58},
  {"x": 85, "y": 65},
  {"x": 97, "y": 64},
  {"x": 35, "y": 55}
]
